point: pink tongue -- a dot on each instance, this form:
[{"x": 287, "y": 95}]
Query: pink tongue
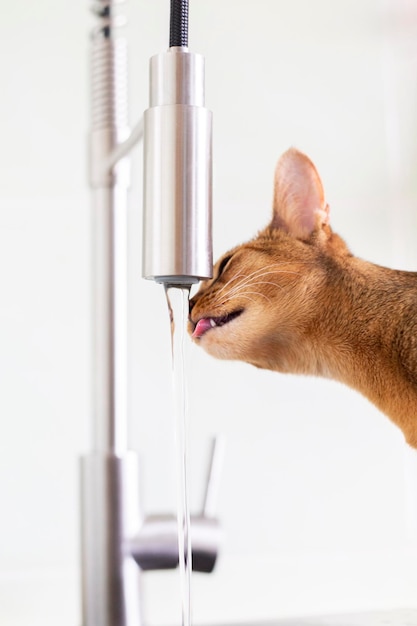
[{"x": 202, "y": 326}]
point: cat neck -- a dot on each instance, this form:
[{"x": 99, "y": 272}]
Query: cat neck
[{"x": 364, "y": 333}]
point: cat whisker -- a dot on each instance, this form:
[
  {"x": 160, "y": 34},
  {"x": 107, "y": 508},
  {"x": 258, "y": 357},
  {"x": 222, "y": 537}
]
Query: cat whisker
[
  {"x": 245, "y": 295},
  {"x": 245, "y": 279},
  {"x": 249, "y": 276},
  {"x": 224, "y": 303},
  {"x": 244, "y": 282},
  {"x": 258, "y": 293},
  {"x": 226, "y": 285},
  {"x": 266, "y": 282},
  {"x": 259, "y": 272},
  {"x": 241, "y": 289},
  {"x": 249, "y": 280}
]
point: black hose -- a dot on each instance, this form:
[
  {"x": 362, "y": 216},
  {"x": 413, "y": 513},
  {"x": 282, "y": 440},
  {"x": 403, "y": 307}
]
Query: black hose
[{"x": 178, "y": 27}]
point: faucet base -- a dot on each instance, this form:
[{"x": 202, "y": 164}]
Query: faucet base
[{"x": 109, "y": 516}]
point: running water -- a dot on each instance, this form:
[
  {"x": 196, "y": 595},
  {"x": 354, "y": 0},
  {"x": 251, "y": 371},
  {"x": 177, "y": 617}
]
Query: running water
[{"x": 177, "y": 298}]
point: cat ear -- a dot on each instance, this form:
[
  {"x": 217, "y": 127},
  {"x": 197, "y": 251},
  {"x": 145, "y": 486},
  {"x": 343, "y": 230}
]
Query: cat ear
[{"x": 299, "y": 204}]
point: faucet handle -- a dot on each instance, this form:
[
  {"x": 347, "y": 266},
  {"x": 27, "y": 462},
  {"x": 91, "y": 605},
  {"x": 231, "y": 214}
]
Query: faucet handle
[
  {"x": 206, "y": 534},
  {"x": 156, "y": 544},
  {"x": 215, "y": 466}
]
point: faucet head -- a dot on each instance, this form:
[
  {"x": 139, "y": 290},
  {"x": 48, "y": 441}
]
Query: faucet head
[{"x": 177, "y": 229}]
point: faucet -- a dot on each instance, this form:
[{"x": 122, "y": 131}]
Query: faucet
[{"x": 118, "y": 541}]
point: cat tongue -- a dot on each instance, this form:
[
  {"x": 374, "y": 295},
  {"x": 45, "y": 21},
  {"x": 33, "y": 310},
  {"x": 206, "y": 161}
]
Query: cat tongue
[{"x": 202, "y": 326}]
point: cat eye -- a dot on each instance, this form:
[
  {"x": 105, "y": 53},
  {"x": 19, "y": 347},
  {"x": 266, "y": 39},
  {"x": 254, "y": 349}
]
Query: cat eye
[{"x": 223, "y": 264}]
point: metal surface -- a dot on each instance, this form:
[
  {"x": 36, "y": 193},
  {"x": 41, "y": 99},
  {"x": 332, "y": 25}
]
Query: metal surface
[
  {"x": 176, "y": 77},
  {"x": 110, "y": 514},
  {"x": 116, "y": 542},
  {"x": 109, "y": 325},
  {"x": 109, "y": 475},
  {"x": 177, "y": 232},
  {"x": 109, "y": 188},
  {"x": 156, "y": 546},
  {"x": 215, "y": 467}
]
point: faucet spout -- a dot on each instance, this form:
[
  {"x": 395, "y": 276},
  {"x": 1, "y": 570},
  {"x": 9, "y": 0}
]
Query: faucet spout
[{"x": 177, "y": 226}]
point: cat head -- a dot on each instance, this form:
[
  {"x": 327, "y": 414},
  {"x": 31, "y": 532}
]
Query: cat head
[{"x": 263, "y": 292}]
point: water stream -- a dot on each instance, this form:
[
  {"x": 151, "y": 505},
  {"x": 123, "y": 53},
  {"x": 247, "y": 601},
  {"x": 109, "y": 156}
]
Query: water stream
[{"x": 177, "y": 298}]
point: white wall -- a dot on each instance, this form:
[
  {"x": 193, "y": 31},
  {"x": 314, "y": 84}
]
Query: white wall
[{"x": 313, "y": 499}]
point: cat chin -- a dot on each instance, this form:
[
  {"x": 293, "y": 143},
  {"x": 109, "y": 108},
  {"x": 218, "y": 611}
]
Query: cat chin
[{"x": 214, "y": 346}]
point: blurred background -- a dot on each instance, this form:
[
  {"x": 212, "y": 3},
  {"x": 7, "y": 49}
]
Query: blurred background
[{"x": 315, "y": 499}]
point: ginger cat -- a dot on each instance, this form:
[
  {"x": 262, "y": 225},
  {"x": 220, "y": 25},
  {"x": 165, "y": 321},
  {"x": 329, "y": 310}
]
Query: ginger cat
[{"x": 295, "y": 300}]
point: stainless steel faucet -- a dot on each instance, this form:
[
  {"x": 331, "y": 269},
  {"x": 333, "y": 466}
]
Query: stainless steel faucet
[
  {"x": 177, "y": 246},
  {"x": 118, "y": 540}
]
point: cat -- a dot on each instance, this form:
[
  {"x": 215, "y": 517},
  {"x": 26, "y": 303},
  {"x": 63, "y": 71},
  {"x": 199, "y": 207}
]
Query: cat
[{"x": 295, "y": 300}]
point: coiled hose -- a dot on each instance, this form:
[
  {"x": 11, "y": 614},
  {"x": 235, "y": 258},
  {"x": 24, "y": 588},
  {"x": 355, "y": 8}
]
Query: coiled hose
[{"x": 178, "y": 27}]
